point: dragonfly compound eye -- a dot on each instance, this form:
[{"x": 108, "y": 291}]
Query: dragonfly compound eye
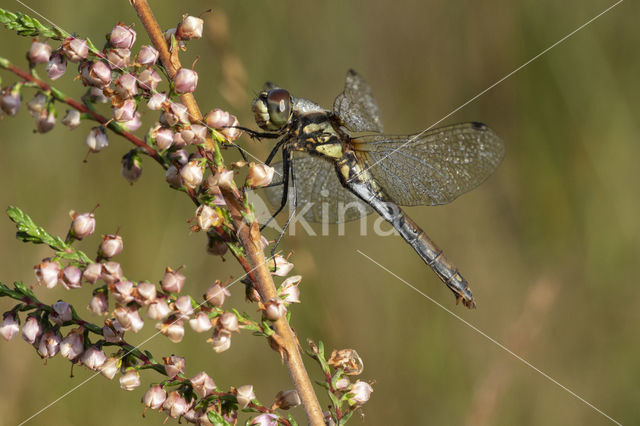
[{"x": 279, "y": 107}]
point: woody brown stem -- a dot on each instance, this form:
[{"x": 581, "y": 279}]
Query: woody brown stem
[{"x": 248, "y": 234}]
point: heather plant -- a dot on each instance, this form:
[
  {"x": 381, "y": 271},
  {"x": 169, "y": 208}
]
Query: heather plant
[{"x": 122, "y": 79}]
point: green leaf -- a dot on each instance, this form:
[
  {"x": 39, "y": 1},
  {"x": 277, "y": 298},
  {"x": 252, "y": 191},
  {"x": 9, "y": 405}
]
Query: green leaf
[
  {"x": 292, "y": 420},
  {"x": 346, "y": 418},
  {"x": 27, "y": 26},
  {"x": 217, "y": 419},
  {"x": 19, "y": 286}
]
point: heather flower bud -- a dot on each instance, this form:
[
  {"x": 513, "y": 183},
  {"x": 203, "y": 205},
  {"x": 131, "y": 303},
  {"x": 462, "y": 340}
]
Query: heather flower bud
[
  {"x": 97, "y": 139},
  {"x": 72, "y": 119},
  {"x": 82, "y": 225},
  {"x": 129, "y": 318},
  {"x": 47, "y": 273},
  {"x": 60, "y": 312},
  {"x": 96, "y": 95},
  {"x": 172, "y": 281},
  {"x": 72, "y": 346},
  {"x": 156, "y": 101},
  {"x": 10, "y": 325},
  {"x": 216, "y": 294},
  {"x": 57, "y": 66},
  {"x": 147, "y": 55},
  {"x": 218, "y": 118},
  {"x": 180, "y": 112},
  {"x": 184, "y": 307},
  {"x": 200, "y": 134},
  {"x": 71, "y": 277},
  {"x": 343, "y": 384},
  {"x": 200, "y": 322},
  {"x": 232, "y": 132},
  {"x": 287, "y": 399},
  {"x": 289, "y": 290},
  {"x": 110, "y": 367},
  {"x": 178, "y": 141},
  {"x": 164, "y": 138},
  {"x": 134, "y": 124},
  {"x": 221, "y": 340},
  {"x": 10, "y": 102},
  {"x": 111, "y": 272},
  {"x": 190, "y": 27},
  {"x": 203, "y": 385},
  {"x": 259, "y": 175},
  {"x": 111, "y": 245},
  {"x": 265, "y": 419},
  {"x": 173, "y": 329},
  {"x": 154, "y": 397},
  {"x": 185, "y": 81},
  {"x": 244, "y": 395},
  {"x": 360, "y": 393},
  {"x": 175, "y": 405},
  {"x": 281, "y": 266},
  {"x": 172, "y": 176},
  {"x": 31, "y": 330},
  {"x": 39, "y": 53},
  {"x": 122, "y": 291},
  {"x": 131, "y": 168},
  {"x": 149, "y": 79},
  {"x": 93, "y": 358},
  {"x": 125, "y": 111},
  {"x": 92, "y": 272},
  {"x": 274, "y": 309},
  {"x": 174, "y": 365},
  {"x": 118, "y": 58},
  {"x": 126, "y": 85},
  {"x": 75, "y": 49},
  {"x": 49, "y": 344},
  {"x": 158, "y": 310},
  {"x": 207, "y": 217},
  {"x": 122, "y": 36},
  {"x": 130, "y": 380},
  {"x": 38, "y": 104},
  {"x": 145, "y": 293},
  {"x": 45, "y": 121},
  {"x": 348, "y": 360},
  {"x": 113, "y": 331},
  {"x": 180, "y": 156},
  {"x": 192, "y": 174},
  {"x": 96, "y": 74},
  {"x": 99, "y": 303},
  {"x": 229, "y": 321}
]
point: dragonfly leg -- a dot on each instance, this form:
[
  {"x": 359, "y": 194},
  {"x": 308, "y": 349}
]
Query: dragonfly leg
[
  {"x": 253, "y": 134},
  {"x": 287, "y": 164},
  {"x": 285, "y": 190}
]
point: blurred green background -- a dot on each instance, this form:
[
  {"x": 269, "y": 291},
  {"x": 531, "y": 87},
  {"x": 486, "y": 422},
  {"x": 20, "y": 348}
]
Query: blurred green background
[{"x": 550, "y": 243}]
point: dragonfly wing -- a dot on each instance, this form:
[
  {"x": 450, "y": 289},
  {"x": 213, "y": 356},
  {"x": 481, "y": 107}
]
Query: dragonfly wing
[
  {"x": 356, "y": 106},
  {"x": 320, "y": 194},
  {"x": 433, "y": 167}
]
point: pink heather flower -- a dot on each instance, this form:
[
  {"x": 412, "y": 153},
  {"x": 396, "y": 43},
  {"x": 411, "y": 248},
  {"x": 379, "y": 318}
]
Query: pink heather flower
[
  {"x": 259, "y": 175},
  {"x": 92, "y": 272},
  {"x": 185, "y": 81},
  {"x": 126, "y": 85},
  {"x": 224, "y": 179},
  {"x": 38, "y": 104},
  {"x": 49, "y": 344},
  {"x": 221, "y": 340},
  {"x": 174, "y": 365},
  {"x": 203, "y": 385},
  {"x": 158, "y": 310},
  {"x": 72, "y": 346},
  {"x": 361, "y": 393},
  {"x": 10, "y": 102},
  {"x": 45, "y": 121},
  {"x": 39, "y": 53},
  {"x": 10, "y": 325},
  {"x": 134, "y": 124},
  {"x": 172, "y": 176},
  {"x": 122, "y": 37},
  {"x": 192, "y": 174},
  {"x": 229, "y": 321},
  {"x": 173, "y": 329},
  {"x": 282, "y": 266},
  {"x": 82, "y": 225},
  {"x": 265, "y": 419},
  {"x": 245, "y": 395},
  {"x": 99, "y": 303},
  {"x": 184, "y": 307},
  {"x": 232, "y": 132},
  {"x": 31, "y": 330},
  {"x": 113, "y": 332},
  {"x": 47, "y": 273},
  {"x": 172, "y": 281},
  {"x": 180, "y": 112},
  {"x": 147, "y": 55},
  {"x": 200, "y": 322},
  {"x": 111, "y": 245},
  {"x": 154, "y": 397},
  {"x": 218, "y": 118},
  {"x": 72, "y": 119},
  {"x": 130, "y": 380},
  {"x": 110, "y": 367},
  {"x": 200, "y": 134},
  {"x": 288, "y": 399},
  {"x": 145, "y": 293},
  {"x": 190, "y": 27},
  {"x": 216, "y": 294},
  {"x": 122, "y": 291},
  {"x": 119, "y": 58},
  {"x": 149, "y": 79},
  {"x": 96, "y": 74},
  {"x": 75, "y": 49},
  {"x": 60, "y": 312},
  {"x": 175, "y": 405},
  {"x": 180, "y": 157},
  {"x": 129, "y": 318},
  {"x": 289, "y": 290},
  {"x": 156, "y": 101},
  {"x": 97, "y": 139},
  {"x": 125, "y": 111},
  {"x": 131, "y": 167},
  {"x": 343, "y": 384},
  {"x": 93, "y": 358},
  {"x": 96, "y": 95},
  {"x": 207, "y": 217},
  {"x": 111, "y": 272},
  {"x": 274, "y": 309},
  {"x": 56, "y": 66},
  {"x": 71, "y": 277},
  {"x": 163, "y": 137}
]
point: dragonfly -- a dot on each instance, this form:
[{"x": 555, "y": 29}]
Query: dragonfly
[{"x": 341, "y": 157}]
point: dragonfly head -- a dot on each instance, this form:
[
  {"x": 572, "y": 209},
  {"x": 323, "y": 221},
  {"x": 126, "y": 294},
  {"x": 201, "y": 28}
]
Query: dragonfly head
[{"x": 272, "y": 108}]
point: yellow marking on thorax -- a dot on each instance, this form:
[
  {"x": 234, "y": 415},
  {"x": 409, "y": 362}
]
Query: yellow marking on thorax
[{"x": 333, "y": 150}]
